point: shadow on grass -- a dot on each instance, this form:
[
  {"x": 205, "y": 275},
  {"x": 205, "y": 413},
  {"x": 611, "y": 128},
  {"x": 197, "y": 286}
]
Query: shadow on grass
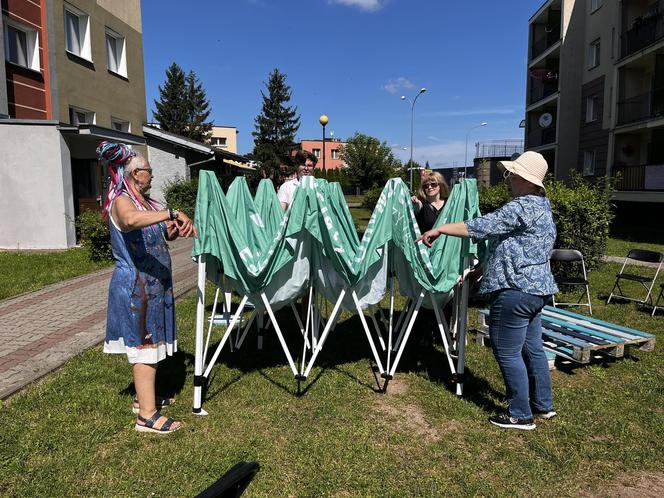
[{"x": 345, "y": 345}]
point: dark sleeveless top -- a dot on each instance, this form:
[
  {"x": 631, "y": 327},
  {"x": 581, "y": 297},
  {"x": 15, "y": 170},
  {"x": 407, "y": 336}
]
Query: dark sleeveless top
[{"x": 427, "y": 216}]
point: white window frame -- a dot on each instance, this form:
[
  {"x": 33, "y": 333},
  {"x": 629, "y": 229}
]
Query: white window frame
[
  {"x": 589, "y": 162},
  {"x": 591, "y": 109},
  {"x": 594, "y": 53},
  {"x": 316, "y": 152},
  {"x": 335, "y": 153},
  {"x": 595, "y": 4},
  {"x": 31, "y": 44},
  {"x": 218, "y": 139},
  {"x": 125, "y": 126},
  {"x": 84, "y": 37},
  {"x": 74, "y": 118},
  {"x": 121, "y": 50}
]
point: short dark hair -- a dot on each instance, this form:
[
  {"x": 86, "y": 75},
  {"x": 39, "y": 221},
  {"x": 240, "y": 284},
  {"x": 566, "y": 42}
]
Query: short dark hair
[{"x": 301, "y": 157}]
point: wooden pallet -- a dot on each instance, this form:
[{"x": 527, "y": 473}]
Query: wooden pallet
[{"x": 580, "y": 338}]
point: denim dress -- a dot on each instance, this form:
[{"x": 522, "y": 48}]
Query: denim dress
[{"x": 141, "y": 312}]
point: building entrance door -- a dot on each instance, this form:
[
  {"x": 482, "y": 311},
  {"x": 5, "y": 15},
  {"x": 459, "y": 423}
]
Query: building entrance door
[{"x": 88, "y": 186}]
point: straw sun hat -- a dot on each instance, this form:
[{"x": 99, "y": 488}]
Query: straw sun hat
[{"x": 531, "y": 166}]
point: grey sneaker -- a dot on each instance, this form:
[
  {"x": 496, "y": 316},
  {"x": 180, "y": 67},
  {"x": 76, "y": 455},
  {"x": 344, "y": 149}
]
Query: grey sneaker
[
  {"x": 505, "y": 421},
  {"x": 544, "y": 415}
]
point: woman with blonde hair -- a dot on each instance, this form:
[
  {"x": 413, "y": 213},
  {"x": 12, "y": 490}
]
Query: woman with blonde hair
[{"x": 430, "y": 199}]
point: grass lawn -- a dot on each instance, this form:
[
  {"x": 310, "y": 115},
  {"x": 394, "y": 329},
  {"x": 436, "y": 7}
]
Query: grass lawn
[
  {"x": 621, "y": 246},
  {"x": 30, "y": 271},
  {"x": 71, "y": 434}
]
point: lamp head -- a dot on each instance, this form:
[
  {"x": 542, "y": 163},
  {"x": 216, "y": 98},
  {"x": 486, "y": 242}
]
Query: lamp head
[
  {"x": 484, "y": 124},
  {"x": 323, "y": 120},
  {"x": 422, "y": 90},
  {"x": 403, "y": 97}
]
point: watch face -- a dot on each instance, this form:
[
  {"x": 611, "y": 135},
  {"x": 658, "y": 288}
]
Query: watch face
[{"x": 545, "y": 120}]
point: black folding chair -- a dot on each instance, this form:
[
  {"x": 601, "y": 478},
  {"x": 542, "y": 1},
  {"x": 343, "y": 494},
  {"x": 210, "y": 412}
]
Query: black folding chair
[
  {"x": 233, "y": 483},
  {"x": 661, "y": 294},
  {"x": 647, "y": 282},
  {"x": 572, "y": 256}
]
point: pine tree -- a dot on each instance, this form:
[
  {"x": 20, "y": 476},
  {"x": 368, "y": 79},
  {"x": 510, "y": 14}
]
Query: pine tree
[
  {"x": 171, "y": 108},
  {"x": 276, "y": 126},
  {"x": 198, "y": 108}
]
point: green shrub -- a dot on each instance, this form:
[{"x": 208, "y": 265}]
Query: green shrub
[
  {"x": 181, "y": 194},
  {"x": 371, "y": 197},
  {"x": 582, "y": 212},
  {"x": 95, "y": 237}
]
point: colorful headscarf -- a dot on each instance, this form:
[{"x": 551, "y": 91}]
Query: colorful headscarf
[{"x": 116, "y": 157}]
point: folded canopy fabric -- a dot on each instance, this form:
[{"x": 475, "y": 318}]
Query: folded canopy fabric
[{"x": 259, "y": 249}]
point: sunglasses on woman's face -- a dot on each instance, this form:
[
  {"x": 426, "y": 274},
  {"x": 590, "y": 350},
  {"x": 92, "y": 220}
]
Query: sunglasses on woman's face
[{"x": 429, "y": 185}]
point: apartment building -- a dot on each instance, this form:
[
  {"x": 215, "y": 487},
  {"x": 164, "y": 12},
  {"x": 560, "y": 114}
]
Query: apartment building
[
  {"x": 73, "y": 76},
  {"x": 595, "y": 92},
  {"x": 224, "y": 138},
  {"x": 332, "y": 152}
]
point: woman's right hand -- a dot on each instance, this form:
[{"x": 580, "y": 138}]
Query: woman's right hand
[{"x": 186, "y": 228}]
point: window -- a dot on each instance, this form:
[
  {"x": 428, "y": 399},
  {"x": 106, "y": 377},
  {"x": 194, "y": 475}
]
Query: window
[
  {"x": 120, "y": 125},
  {"x": 316, "y": 152},
  {"x": 335, "y": 154},
  {"x": 593, "y": 54},
  {"x": 115, "y": 53},
  {"x": 21, "y": 45},
  {"x": 591, "y": 108},
  {"x": 79, "y": 116},
  {"x": 588, "y": 163},
  {"x": 595, "y": 4},
  {"x": 77, "y": 33},
  {"x": 219, "y": 141}
]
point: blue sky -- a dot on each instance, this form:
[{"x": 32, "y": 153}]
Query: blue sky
[{"x": 352, "y": 60}]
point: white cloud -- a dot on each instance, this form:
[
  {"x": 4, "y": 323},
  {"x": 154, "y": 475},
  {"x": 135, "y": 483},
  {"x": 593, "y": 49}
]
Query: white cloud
[
  {"x": 434, "y": 138},
  {"x": 394, "y": 86},
  {"x": 475, "y": 112},
  {"x": 366, "y": 5},
  {"x": 441, "y": 155}
]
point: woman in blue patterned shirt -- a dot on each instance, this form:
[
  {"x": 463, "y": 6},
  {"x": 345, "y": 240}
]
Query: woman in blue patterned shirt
[{"x": 519, "y": 282}]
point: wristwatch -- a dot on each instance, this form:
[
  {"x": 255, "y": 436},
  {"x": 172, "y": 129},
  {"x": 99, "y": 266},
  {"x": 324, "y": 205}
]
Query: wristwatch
[{"x": 173, "y": 214}]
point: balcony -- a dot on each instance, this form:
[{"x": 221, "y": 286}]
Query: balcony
[
  {"x": 542, "y": 136},
  {"x": 544, "y": 42},
  {"x": 640, "y": 177},
  {"x": 645, "y": 30},
  {"x": 641, "y": 107},
  {"x": 541, "y": 90}
]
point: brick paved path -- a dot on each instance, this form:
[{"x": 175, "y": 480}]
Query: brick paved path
[{"x": 41, "y": 330}]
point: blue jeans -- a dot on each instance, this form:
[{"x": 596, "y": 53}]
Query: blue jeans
[{"x": 515, "y": 329}]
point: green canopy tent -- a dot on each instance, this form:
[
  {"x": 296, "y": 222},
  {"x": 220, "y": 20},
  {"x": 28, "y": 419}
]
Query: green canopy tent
[{"x": 315, "y": 247}]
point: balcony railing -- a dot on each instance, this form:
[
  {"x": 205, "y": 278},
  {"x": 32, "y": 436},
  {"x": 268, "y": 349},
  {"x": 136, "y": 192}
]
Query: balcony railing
[
  {"x": 498, "y": 148},
  {"x": 641, "y": 107},
  {"x": 541, "y": 44},
  {"x": 645, "y": 30},
  {"x": 539, "y": 91},
  {"x": 640, "y": 177},
  {"x": 539, "y": 137}
]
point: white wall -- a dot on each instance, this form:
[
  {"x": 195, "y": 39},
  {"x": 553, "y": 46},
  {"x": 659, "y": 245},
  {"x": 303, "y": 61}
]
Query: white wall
[
  {"x": 36, "y": 196},
  {"x": 166, "y": 166}
]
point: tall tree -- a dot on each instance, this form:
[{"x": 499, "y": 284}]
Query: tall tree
[
  {"x": 276, "y": 126},
  {"x": 183, "y": 107},
  {"x": 171, "y": 108},
  {"x": 198, "y": 108},
  {"x": 370, "y": 162}
]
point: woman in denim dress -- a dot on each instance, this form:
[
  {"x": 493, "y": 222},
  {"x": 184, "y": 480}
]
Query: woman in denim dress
[
  {"x": 141, "y": 312},
  {"x": 519, "y": 282}
]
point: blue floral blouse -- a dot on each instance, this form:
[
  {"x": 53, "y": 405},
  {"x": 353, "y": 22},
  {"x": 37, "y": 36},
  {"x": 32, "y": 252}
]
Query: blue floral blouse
[{"x": 521, "y": 235}]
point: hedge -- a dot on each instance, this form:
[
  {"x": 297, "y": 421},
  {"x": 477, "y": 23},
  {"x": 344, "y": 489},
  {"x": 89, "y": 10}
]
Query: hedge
[
  {"x": 95, "y": 238},
  {"x": 181, "y": 194},
  {"x": 582, "y": 213}
]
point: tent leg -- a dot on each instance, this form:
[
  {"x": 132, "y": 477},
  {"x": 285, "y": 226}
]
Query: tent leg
[
  {"x": 402, "y": 346},
  {"x": 444, "y": 334},
  {"x": 379, "y": 334},
  {"x": 389, "y": 329},
  {"x": 261, "y": 326},
  {"x": 199, "y": 380},
  {"x": 463, "y": 327},
  {"x": 300, "y": 325},
  {"x": 284, "y": 346},
  {"x": 411, "y": 307},
  {"x": 328, "y": 327},
  {"x": 240, "y": 338},
  {"x": 368, "y": 333},
  {"x": 209, "y": 333},
  {"x": 229, "y": 331}
]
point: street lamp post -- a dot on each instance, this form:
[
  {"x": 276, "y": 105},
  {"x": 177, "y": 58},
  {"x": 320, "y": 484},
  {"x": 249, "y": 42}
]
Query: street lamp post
[
  {"x": 323, "y": 120},
  {"x": 465, "y": 161},
  {"x": 412, "y": 115}
]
